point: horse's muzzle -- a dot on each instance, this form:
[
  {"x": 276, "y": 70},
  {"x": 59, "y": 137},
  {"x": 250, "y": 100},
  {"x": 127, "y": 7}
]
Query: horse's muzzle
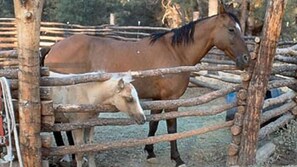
[
  {"x": 140, "y": 119},
  {"x": 243, "y": 61}
]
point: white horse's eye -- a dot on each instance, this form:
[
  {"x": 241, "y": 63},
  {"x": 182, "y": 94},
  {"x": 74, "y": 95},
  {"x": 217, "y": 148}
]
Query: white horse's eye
[
  {"x": 231, "y": 29},
  {"x": 129, "y": 99}
]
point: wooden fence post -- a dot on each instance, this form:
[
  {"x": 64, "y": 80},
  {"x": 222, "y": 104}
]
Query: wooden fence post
[
  {"x": 196, "y": 15},
  {"x": 259, "y": 80},
  {"x": 112, "y": 19},
  {"x": 28, "y": 17}
]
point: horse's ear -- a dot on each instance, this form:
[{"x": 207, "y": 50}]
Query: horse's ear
[
  {"x": 121, "y": 84},
  {"x": 230, "y": 6},
  {"x": 221, "y": 7}
]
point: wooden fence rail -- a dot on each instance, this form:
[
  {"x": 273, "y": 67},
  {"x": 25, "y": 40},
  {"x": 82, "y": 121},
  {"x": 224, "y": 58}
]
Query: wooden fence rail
[
  {"x": 132, "y": 142},
  {"x": 52, "y": 32},
  {"x": 123, "y": 121}
]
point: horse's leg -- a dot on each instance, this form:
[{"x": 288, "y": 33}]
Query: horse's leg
[
  {"x": 70, "y": 141},
  {"x": 59, "y": 141},
  {"x": 78, "y": 135},
  {"x": 152, "y": 130},
  {"x": 90, "y": 133},
  {"x": 172, "y": 128}
]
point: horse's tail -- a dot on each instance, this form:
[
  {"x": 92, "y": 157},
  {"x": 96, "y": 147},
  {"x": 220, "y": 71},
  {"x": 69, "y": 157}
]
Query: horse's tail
[{"x": 43, "y": 52}]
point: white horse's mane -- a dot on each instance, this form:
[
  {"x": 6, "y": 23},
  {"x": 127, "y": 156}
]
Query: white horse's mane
[{"x": 127, "y": 77}]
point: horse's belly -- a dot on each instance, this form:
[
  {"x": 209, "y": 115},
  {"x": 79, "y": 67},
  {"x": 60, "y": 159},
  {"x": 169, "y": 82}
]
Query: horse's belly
[{"x": 166, "y": 87}]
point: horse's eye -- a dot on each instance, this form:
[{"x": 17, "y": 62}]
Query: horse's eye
[
  {"x": 231, "y": 30},
  {"x": 129, "y": 99}
]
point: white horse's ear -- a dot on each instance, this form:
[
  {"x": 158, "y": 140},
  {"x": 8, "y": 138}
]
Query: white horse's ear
[
  {"x": 121, "y": 84},
  {"x": 221, "y": 7}
]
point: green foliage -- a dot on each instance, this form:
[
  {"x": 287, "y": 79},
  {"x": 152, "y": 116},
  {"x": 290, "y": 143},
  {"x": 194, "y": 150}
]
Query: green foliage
[
  {"x": 289, "y": 26},
  {"x": 129, "y": 12},
  {"x": 6, "y": 8},
  {"x": 149, "y": 14},
  {"x": 91, "y": 12}
]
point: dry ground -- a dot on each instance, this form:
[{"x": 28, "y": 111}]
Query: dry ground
[
  {"x": 207, "y": 150},
  {"x": 204, "y": 150}
]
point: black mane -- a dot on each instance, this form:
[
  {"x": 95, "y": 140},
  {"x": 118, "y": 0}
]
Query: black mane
[
  {"x": 233, "y": 16},
  {"x": 181, "y": 35},
  {"x": 184, "y": 35}
]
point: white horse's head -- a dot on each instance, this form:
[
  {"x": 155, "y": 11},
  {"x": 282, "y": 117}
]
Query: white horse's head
[{"x": 126, "y": 99}]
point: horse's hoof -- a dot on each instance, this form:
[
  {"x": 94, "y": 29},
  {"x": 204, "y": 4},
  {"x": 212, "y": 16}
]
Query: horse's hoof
[
  {"x": 66, "y": 158},
  {"x": 183, "y": 165},
  {"x": 152, "y": 160}
]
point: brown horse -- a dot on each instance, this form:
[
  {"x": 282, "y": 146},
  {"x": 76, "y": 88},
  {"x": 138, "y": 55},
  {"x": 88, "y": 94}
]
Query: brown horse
[{"x": 183, "y": 46}]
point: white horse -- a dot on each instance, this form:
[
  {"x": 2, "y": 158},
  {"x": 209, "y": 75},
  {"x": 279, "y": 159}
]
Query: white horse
[{"x": 117, "y": 91}]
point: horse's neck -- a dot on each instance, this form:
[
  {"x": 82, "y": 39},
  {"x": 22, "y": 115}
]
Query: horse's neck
[
  {"x": 84, "y": 93},
  {"x": 193, "y": 52},
  {"x": 100, "y": 92}
]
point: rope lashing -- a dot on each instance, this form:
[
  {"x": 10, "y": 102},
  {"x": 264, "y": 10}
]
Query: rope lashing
[{"x": 9, "y": 120}]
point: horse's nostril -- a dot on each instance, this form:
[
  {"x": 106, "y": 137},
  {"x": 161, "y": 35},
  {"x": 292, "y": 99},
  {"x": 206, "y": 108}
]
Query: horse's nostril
[
  {"x": 140, "y": 119},
  {"x": 245, "y": 58}
]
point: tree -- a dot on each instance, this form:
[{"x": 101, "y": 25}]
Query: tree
[
  {"x": 289, "y": 25},
  {"x": 6, "y": 8},
  {"x": 147, "y": 12},
  {"x": 212, "y": 7},
  {"x": 91, "y": 12}
]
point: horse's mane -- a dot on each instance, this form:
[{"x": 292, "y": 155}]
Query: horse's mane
[
  {"x": 184, "y": 34},
  {"x": 62, "y": 75},
  {"x": 127, "y": 78}
]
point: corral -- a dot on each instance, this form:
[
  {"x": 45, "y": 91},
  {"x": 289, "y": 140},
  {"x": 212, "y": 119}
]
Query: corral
[{"x": 283, "y": 75}]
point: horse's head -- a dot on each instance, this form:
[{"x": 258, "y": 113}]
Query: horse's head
[
  {"x": 227, "y": 37},
  {"x": 126, "y": 99}
]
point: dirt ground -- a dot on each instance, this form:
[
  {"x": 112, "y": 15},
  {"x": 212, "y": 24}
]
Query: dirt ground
[
  {"x": 207, "y": 150},
  {"x": 204, "y": 150}
]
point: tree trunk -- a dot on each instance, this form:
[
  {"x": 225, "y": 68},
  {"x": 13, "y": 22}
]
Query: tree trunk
[
  {"x": 244, "y": 15},
  {"x": 250, "y": 19},
  {"x": 259, "y": 80},
  {"x": 212, "y": 7},
  {"x": 199, "y": 8},
  {"x": 28, "y": 17}
]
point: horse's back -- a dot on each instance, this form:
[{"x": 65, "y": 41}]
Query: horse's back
[
  {"x": 70, "y": 55},
  {"x": 82, "y": 53}
]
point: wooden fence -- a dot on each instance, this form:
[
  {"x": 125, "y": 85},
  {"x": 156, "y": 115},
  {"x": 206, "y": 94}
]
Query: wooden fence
[
  {"x": 52, "y": 32},
  {"x": 283, "y": 75}
]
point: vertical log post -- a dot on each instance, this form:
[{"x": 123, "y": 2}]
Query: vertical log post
[
  {"x": 28, "y": 17},
  {"x": 259, "y": 80},
  {"x": 112, "y": 19},
  {"x": 236, "y": 129}
]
